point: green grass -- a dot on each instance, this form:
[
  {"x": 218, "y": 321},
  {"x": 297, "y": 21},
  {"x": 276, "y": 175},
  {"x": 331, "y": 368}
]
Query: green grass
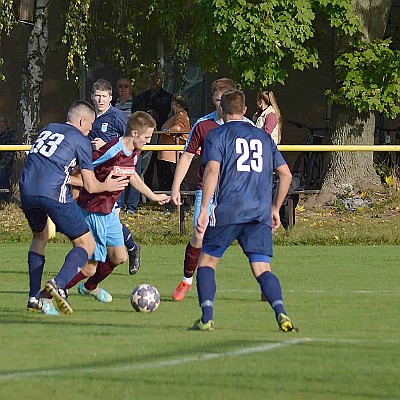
[{"x": 344, "y": 300}]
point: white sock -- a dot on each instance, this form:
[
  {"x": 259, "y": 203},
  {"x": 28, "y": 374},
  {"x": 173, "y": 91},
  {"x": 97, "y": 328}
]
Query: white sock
[{"x": 187, "y": 280}]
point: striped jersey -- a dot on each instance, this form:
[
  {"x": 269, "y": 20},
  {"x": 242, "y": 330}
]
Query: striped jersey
[
  {"x": 247, "y": 158},
  {"x": 56, "y": 151}
]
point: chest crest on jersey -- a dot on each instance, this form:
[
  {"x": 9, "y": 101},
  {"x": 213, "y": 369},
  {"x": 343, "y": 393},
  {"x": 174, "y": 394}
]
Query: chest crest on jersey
[{"x": 104, "y": 126}]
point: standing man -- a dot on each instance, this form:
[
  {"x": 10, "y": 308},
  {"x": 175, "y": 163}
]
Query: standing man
[
  {"x": 125, "y": 100},
  {"x": 45, "y": 192},
  {"x": 194, "y": 142},
  {"x": 110, "y": 123},
  {"x": 239, "y": 162},
  {"x": 157, "y": 102}
]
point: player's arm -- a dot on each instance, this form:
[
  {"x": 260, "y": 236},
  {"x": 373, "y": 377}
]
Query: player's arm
[
  {"x": 180, "y": 172},
  {"x": 141, "y": 187},
  {"x": 285, "y": 178},
  {"x": 210, "y": 180},
  {"x": 92, "y": 185}
]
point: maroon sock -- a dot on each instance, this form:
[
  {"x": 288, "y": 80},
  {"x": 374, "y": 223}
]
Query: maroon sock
[
  {"x": 103, "y": 270},
  {"x": 192, "y": 255},
  {"x": 45, "y": 294},
  {"x": 75, "y": 280}
]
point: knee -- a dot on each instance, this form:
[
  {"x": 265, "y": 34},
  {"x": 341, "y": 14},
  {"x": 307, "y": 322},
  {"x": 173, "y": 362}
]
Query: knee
[
  {"x": 117, "y": 259},
  {"x": 89, "y": 269}
]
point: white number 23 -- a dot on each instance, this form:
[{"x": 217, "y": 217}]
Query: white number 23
[{"x": 244, "y": 148}]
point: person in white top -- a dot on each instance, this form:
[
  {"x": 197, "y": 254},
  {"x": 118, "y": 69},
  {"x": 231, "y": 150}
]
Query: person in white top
[{"x": 268, "y": 115}]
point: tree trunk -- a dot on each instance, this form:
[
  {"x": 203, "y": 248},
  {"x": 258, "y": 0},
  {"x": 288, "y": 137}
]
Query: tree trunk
[
  {"x": 28, "y": 110},
  {"x": 355, "y": 169},
  {"x": 350, "y": 169}
]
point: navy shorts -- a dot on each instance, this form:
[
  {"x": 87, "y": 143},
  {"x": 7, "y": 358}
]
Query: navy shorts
[
  {"x": 67, "y": 217},
  {"x": 254, "y": 238}
]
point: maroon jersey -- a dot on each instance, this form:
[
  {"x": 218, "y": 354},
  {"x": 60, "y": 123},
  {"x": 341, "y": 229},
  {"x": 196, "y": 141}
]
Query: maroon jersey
[
  {"x": 111, "y": 157},
  {"x": 196, "y": 139}
]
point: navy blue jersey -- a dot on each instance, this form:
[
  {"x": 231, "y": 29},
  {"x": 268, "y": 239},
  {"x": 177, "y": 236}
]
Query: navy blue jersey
[
  {"x": 57, "y": 149},
  {"x": 109, "y": 125},
  {"x": 248, "y": 158}
]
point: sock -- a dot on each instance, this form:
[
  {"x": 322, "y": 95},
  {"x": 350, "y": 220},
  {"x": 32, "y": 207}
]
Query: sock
[
  {"x": 192, "y": 255},
  {"x": 271, "y": 288},
  {"x": 36, "y": 266},
  {"x": 206, "y": 289},
  {"x": 103, "y": 270},
  {"x": 44, "y": 294},
  {"x": 128, "y": 238},
  {"x": 74, "y": 262},
  {"x": 75, "y": 280}
]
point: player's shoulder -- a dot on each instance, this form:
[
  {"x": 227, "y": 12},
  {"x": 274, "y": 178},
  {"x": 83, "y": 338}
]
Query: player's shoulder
[
  {"x": 206, "y": 120},
  {"x": 117, "y": 113}
]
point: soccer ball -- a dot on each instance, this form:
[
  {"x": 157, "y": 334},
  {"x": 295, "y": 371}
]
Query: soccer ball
[{"x": 145, "y": 298}]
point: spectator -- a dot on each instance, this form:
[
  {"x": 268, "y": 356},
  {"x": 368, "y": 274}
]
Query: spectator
[
  {"x": 167, "y": 159},
  {"x": 7, "y": 136},
  {"x": 268, "y": 115},
  {"x": 157, "y": 102},
  {"x": 125, "y": 102}
]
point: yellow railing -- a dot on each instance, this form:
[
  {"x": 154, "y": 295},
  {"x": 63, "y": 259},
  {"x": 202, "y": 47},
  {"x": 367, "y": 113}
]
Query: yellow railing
[{"x": 281, "y": 147}]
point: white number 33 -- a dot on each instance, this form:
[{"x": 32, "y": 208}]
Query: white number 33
[{"x": 244, "y": 148}]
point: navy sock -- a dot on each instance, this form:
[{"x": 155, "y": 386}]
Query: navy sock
[
  {"x": 271, "y": 288},
  {"x": 128, "y": 238},
  {"x": 206, "y": 289},
  {"x": 36, "y": 266},
  {"x": 74, "y": 262}
]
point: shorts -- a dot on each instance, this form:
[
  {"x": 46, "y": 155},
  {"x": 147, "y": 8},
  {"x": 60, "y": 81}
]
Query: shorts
[
  {"x": 197, "y": 205},
  {"x": 106, "y": 230},
  {"x": 67, "y": 217},
  {"x": 255, "y": 239}
]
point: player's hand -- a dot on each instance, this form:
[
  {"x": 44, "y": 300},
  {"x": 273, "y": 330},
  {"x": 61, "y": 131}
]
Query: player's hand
[
  {"x": 202, "y": 222},
  {"x": 116, "y": 184},
  {"x": 176, "y": 197},
  {"x": 276, "y": 219},
  {"x": 161, "y": 199},
  {"x": 97, "y": 143}
]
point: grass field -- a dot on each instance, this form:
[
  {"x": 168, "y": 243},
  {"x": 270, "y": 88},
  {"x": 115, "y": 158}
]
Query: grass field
[{"x": 344, "y": 299}]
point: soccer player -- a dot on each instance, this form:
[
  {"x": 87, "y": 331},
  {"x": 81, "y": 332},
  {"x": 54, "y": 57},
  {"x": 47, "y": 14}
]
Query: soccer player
[
  {"x": 110, "y": 123},
  {"x": 119, "y": 157},
  {"x": 239, "y": 163},
  {"x": 194, "y": 142},
  {"x": 45, "y": 193}
]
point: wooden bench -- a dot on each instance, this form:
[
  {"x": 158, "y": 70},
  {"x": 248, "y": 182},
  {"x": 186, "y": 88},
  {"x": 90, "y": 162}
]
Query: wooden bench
[{"x": 291, "y": 208}]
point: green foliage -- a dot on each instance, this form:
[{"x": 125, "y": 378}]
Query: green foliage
[
  {"x": 76, "y": 34},
  {"x": 369, "y": 78},
  {"x": 7, "y": 22}
]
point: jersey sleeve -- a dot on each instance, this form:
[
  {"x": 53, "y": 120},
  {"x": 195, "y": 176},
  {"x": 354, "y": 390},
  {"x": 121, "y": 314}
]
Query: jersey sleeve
[
  {"x": 193, "y": 142},
  {"x": 212, "y": 148},
  {"x": 84, "y": 154}
]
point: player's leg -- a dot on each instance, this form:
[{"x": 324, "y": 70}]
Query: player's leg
[
  {"x": 69, "y": 220},
  {"x": 192, "y": 253},
  {"x": 215, "y": 243},
  {"x": 38, "y": 221},
  {"x": 112, "y": 240},
  {"x": 256, "y": 242},
  {"x": 132, "y": 247}
]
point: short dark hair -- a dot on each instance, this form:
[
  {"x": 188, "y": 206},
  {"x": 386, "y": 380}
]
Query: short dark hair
[
  {"x": 103, "y": 85},
  {"x": 233, "y": 102},
  {"x": 139, "y": 120},
  {"x": 180, "y": 100},
  {"x": 79, "y": 107},
  {"x": 222, "y": 84}
]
